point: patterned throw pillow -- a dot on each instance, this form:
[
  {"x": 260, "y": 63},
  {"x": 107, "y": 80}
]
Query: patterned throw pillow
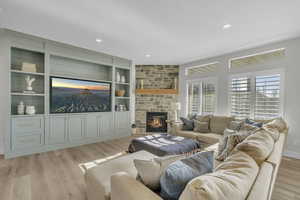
[
  {"x": 188, "y": 125},
  {"x": 236, "y": 125},
  {"x": 232, "y": 141},
  {"x": 223, "y": 140},
  {"x": 202, "y": 127}
]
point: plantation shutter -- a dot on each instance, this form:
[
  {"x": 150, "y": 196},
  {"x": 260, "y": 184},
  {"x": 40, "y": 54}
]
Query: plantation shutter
[
  {"x": 267, "y": 97},
  {"x": 240, "y": 97},
  {"x": 194, "y": 98},
  {"x": 208, "y": 98}
]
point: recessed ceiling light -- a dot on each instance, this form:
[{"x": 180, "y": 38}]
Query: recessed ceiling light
[
  {"x": 227, "y": 26},
  {"x": 98, "y": 40},
  {"x": 148, "y": 55}
]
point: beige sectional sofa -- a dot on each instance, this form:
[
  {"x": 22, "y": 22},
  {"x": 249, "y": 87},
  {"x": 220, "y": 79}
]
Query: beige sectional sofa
[{"x": 116, "y": 179}]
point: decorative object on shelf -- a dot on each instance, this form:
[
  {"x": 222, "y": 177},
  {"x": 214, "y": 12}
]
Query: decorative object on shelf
[
  {"x": 122, "y": 108},
  {"x": 123, "y": 79},
  {"x": 120, "y": 93},
  {"x": 142, "y": 84},
  {"x": 21, "y": 108},
  {"x": 30, "y": 110},
  {"x": 28, "y": 67},
  {"x": 29, "y": 82},
  {"x": 118, "y": 77}
]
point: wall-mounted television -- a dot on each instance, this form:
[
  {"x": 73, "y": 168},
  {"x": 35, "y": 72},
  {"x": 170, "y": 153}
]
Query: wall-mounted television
[{"x": 77, "y": 96}]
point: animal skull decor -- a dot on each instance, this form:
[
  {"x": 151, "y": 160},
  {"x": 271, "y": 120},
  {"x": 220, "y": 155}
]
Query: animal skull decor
[{"x": 29, "y": 82}]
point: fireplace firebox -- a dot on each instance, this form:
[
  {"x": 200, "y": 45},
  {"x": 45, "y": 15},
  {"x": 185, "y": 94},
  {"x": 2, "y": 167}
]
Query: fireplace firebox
[{"x": 157, "y": 122}]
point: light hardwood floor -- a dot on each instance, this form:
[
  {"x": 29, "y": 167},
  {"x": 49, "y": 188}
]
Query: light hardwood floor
[{"x": 57, "y": 175}]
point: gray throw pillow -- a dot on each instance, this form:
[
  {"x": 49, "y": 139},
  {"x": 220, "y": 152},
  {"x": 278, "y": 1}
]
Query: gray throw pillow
[
  {"x": 188, "y": 124},
  {"x": 179, "y": 173},
  {"x": 201, "y": 127}
]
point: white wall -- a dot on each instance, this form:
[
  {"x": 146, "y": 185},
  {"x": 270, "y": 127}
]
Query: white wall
[{"x": 291, "y": 65}]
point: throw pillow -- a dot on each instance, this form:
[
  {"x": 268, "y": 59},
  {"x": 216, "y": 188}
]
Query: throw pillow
[
  {"x": 202, "y": 127},
  {"x": 188, "y": 125},
  {"x": 192, "y": 116},
  {"x": 223, "y": 140},
  {"x": 219, "y": 123},
  {"x": 232, "y": 141},
  {"x": 253, "y": 123},
  {"x": 235, "y": 125},
  {"x": 179, "y": 173},
  {"x": 149, "y": 171},
  {"x": 232, "y": 179},
  {"x": 258, "y": 145},
  {"x": 278, "y": 123}
]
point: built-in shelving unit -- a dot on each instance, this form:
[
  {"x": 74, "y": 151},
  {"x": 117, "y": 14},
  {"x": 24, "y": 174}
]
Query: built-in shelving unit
[
  {"x": 43, "y": 131},
  {"x": 122, "y": 89}
]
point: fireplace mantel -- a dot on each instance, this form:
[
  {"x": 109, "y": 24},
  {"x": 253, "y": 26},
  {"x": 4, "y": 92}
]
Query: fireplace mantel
[{"x": 156, "y": 91}]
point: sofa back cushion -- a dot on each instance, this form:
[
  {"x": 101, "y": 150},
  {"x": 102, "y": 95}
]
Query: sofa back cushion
[
  {"x": 219, "y": 123},
  {"x": 232, "y": 179},
  {"x": 258, "y": 145}
]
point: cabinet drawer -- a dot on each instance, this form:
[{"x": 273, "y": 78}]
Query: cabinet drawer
[
  {"x": 28, "y": 141},
  {"x": 25, "y": 125}
]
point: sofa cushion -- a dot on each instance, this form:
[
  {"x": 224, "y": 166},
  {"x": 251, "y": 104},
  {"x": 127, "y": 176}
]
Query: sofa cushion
[
  {"x": 275, "y": 127},
  {"x": 188, "y": 134},
  {"x": 232, "y": 179},
  {"x": 209, "y": 138},
  {"x": 179, "y": 173},
  {"x": 98, "y": 183},
  {"x": 149, "y": 171},
  {"x": 258, "y": 145},
  {"x": 203, "y": 118},
  {"x": 202, "y": 127},
  {"x": 188, "y": 124},
  {"x": 219, "y": 123}
]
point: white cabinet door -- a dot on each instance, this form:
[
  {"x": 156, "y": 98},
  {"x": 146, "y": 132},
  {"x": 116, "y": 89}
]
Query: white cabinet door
[
  {"x": 76, "y": 127},
  {"x": 92, "y": 126},
  {"x": 57, "y": 130},
  {"x": 105, "y": 124},
  {"x": 122, "y": 124}
]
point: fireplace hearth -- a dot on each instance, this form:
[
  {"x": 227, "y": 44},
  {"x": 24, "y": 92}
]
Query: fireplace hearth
[{"x": 156, "y": 122}]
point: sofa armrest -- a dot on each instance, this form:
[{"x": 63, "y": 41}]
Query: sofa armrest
[{"x": 125, "y": 187}]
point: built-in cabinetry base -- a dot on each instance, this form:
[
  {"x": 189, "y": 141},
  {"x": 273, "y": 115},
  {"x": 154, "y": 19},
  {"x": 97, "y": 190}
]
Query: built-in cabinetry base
[{"x": 33, "y": 134}]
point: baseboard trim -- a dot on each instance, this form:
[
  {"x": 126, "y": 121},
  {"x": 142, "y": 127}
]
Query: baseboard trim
[{"x": 292, "y": 154}]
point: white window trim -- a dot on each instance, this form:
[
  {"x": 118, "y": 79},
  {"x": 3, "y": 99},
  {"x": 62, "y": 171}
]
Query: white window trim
[
  {"x": 252, "y": 75},
  {"x": 213, "y": 80},
  {"x": 196, "y": 66}
]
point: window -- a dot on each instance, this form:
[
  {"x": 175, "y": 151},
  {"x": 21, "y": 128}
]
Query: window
[
  {"x": 256, "y": 95},
  {"x": 201, "y": 97},
  {"x": 202, "y": 69}
]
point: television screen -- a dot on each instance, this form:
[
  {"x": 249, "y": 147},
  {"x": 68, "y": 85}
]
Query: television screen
[{"x": 76, "y": 96}]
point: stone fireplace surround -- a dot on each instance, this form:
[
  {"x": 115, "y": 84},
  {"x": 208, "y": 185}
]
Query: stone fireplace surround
[{"x": 154, "y": 77}]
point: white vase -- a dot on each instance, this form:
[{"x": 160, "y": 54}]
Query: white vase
[
  {"x": 118, "y": 77},
  {"x": 30, "y": 110},
  {"x": 123, "y": 79},
  {"x": 21, "y": 108}
]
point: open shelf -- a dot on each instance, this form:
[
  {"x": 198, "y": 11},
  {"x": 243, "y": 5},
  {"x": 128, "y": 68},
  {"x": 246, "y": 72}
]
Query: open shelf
[
  {"x": 26, "y": 94},
  {"x": 27, "y": 73},
  {"x": 118, "y": 83},
  {"x": 156, "y": 91}
]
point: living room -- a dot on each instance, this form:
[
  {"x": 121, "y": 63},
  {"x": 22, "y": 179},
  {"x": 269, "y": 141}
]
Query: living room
[{"x": 149, "y": 100}]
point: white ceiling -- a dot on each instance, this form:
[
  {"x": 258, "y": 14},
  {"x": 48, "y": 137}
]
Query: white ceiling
[{"x": 172, "y": 31}]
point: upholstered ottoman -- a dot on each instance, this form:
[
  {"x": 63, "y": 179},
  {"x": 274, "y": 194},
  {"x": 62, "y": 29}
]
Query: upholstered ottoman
[{"x": 98, "y": 178}]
